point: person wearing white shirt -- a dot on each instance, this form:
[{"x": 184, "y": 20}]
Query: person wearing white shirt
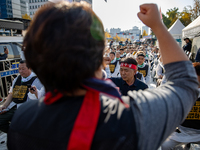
[{"x": 19, "y": 94}]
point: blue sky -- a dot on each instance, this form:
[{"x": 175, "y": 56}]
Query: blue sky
[{"x": 123, "y": 13}]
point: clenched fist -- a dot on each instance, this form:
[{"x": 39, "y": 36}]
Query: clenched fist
[{"x": 150, "y": 15}]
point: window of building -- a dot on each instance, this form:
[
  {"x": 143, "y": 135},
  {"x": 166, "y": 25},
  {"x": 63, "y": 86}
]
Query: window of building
[
  {"x": 35, "y": 6},
  {"x": 38, "y": 6},
  {"x": 29, "y": 1},
  {"x": 32, "y": 1},
  {"x": 41, "y": 0},
  {"x": 30, "y": 7},
  {"x": 30, "y": 13},
  {"x": 35, "y": 0}
]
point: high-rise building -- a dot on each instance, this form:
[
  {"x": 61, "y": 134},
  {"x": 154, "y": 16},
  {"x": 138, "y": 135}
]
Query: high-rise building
[
  {"x": 133, "y": 34},
  {"x": 114, "y": 31},
  {"x": 6, "y": 9},
  {"x": 33, "y": 5},
  {"x": 146, "y": 29},
  {"x": 16, "y": 9},
  {"x": 13, "y": 8},
  {"x": 24, "y": 7}
]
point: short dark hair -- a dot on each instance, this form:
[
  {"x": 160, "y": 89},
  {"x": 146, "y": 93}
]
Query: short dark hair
[
  {"x": 121, "y": 49},
  {"x": 112, "y": 53},
  {"x": 188, "y": 40},
  {"x": 129, "y": 60},
  {"x": 24, "y": 61},
  {"x": 68, "y": 46}
]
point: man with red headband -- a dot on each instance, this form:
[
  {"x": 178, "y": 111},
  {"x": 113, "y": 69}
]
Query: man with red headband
[{"x": 128, "y": 80}]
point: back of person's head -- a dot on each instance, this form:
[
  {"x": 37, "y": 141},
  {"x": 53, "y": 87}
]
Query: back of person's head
[
  {"x": 64, "y": 45},
  {"x": 129, "y": 60}
]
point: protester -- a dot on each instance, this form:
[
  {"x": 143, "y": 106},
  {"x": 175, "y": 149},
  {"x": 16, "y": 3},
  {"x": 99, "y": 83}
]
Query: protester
[
  {"x": 111, "y": 44},
  {"x": 82, "y": 111},
  {"x": 107, "y": 61},
  {"x": 117, "y": 55},
  {"x": 143, "y": 67},
  {"x": 140, "y": 76},
  {"x": 129, "y": 52},
  {"x": 114, "y": 65},
  {"x": 5, "y": 55},
  {"x": 128, "y": 80},
  {"x": 187, "y": 47},
  {"x": 19, "y": 94},
  {"x": 123, "y": 54},
  {"x": 189, "y": 130}
]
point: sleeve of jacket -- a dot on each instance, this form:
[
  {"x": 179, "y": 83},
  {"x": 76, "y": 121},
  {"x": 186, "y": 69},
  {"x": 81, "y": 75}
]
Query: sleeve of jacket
[{"x": 158, "y": 112}]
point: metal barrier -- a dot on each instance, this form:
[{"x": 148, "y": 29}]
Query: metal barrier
[{"x": 8, "y": 71}]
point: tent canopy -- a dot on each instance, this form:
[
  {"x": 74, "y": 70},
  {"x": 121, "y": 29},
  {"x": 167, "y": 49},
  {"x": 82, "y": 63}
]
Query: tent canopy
[
  {"x": 192, "y": 29},
  {"x": 176, "y": 29}
]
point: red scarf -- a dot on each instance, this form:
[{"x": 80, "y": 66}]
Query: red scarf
[{"x": 86, "y": 122}]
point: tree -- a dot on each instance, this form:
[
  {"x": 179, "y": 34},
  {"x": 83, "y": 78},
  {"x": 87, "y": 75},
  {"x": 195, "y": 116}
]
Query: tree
[
  {"x": 196, "y": 9},
  {"x": 107, "y": 35},
  {"x": 116, "y": 38},
  {"x": 122, "y": 39},
  {"x": 185, "y": 17},
  {"x": 173, "y": 15},
  {"x": 166, "y": 21},
  {"x": 26, "y": 16},
  {"x": 151, "y": 32},
  {"x": 144, "y": 33}
]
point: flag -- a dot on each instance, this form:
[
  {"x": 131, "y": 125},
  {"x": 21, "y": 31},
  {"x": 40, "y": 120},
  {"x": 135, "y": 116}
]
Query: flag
[{"x": 160, "y": 14}]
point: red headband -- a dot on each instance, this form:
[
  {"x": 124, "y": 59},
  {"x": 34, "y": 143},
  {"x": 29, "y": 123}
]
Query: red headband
[{"x": 132, "y": 66}]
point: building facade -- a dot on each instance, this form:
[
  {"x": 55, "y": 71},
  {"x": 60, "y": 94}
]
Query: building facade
[
  {"x": 114, "y": 31},
  {"x": 16, "y": 9},
  {"x": 132, "y": 34},
  {"x": 13, "y": 8},
  {"x": 146, "y": 29},
  {"x": 33, "y": 5},
  {"x": 6, "y": 9}
]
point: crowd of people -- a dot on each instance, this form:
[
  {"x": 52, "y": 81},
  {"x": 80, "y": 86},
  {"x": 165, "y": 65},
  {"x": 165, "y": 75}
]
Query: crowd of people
[
  {"x": 148, "y": 61},
  {"x": 68, "y": 102}
]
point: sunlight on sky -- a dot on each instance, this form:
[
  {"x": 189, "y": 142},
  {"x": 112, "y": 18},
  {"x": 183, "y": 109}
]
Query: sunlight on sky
[{"x": 123, "y": 13}]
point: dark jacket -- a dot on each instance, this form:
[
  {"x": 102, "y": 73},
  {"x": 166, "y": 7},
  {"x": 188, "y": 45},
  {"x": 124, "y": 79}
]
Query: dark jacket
[{"x": 124, "y": 87}]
